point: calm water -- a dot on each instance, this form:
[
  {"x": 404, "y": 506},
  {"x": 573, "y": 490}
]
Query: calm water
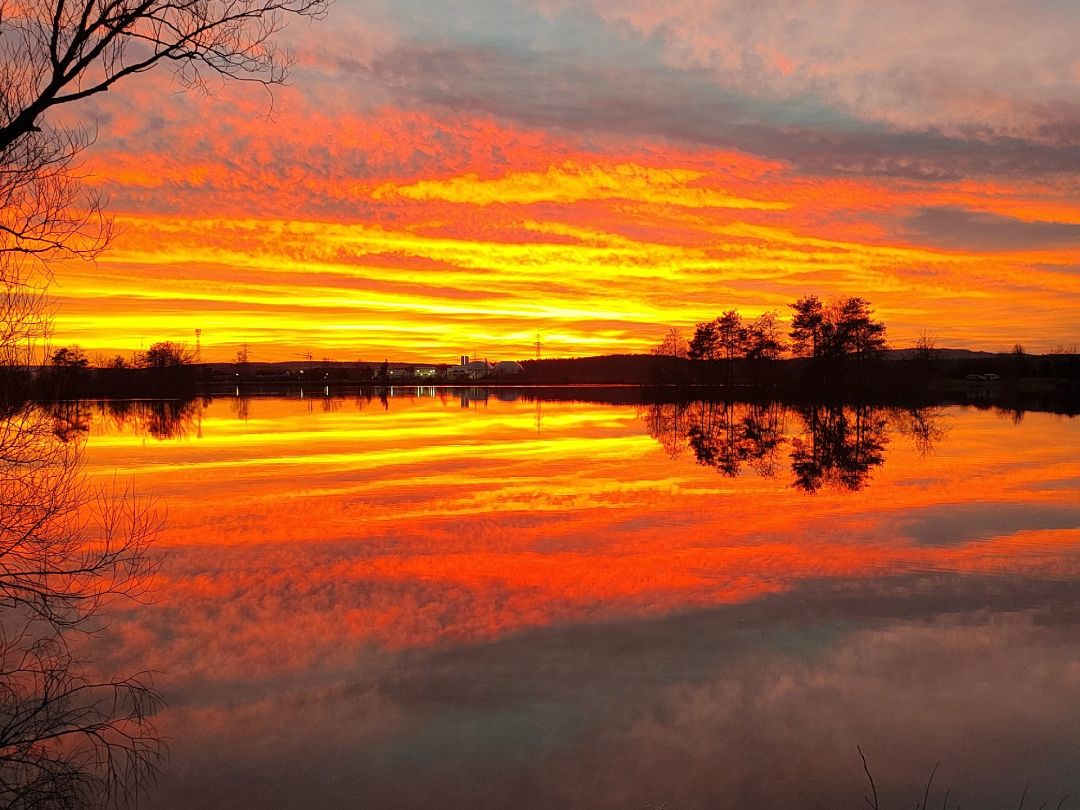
[{"x": 468, "y": 602}]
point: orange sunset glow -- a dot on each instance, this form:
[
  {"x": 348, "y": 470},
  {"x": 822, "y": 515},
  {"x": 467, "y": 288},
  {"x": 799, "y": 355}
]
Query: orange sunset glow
[
  {"x": 539, "y": 404},
  {"x": 434, "y": 183},
  {"x": 473, "y": 547},
  {"x": 509, "y": 518}
]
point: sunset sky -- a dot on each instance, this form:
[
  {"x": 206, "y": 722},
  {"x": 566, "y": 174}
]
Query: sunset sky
[{"x": 442, "y": 178}]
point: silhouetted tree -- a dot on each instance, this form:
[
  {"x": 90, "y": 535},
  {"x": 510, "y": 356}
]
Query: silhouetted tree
[
  {"x": 732, "y": 338},
  {"x": 670, "y": 354},
  {"x": 855, "y": 331},
  {"x": 166, "y": 354},
  {"x": 764, "y": 343},
  {"x": 807, "y": 327},
  {"x": 70, "y": 357},
  {"x": 831, "y": 334},
  {"x": 724, "y": 338},
  {"x": 57, "y": 52},
  {"x": 765, "y": 337},
  {"x": 1018, "y": 361},
  {"x": 40, "y": 224},
  {"x": 732, "y": 335},
  {"x": 243, "y": 358},
  {"x": 673, "y": 344},
  {"x": 926, "y": 351},
  {"x": 705, "y": 344},
  {"x": 68, "y": 371},
  {"x": 926, "y": 354},
  {"x": 68, "y": 739}
]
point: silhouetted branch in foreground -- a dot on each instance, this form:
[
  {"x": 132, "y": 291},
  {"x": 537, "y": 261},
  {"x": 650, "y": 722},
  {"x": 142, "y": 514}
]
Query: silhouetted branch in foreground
[
  {"x": 870, "y": 778},
  {"x": 873, "y": 801}
]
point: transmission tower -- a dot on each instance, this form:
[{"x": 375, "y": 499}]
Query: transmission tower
[
  {"x": 539, "y": 345},
  {"x": 198, "y": 345}
]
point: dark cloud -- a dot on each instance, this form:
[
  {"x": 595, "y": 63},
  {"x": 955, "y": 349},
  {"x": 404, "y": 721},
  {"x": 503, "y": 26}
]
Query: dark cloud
[
  {"x": 964, "y": 229},
  {"x": 955, "y": 524},
  {"x": 760, "y": 705},
  {"x": 569, "y": 92}
]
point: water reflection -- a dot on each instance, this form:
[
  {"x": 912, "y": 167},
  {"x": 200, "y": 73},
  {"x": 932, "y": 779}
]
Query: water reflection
[
  {"x": 925, "y": 427},
  {"x": 424, "y": 605},
  {"x": 160, "y": 419},
  {"x": 71, "y": 734},
  {"x": 840, "y": 447},
  {"x": 724, "y": 435},
  {"x": 835, "y": 445}
]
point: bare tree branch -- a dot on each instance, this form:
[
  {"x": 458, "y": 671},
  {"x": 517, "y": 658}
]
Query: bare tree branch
[
  {"x": 62, "y": 51},
  {"x": 70, "y": 736}
]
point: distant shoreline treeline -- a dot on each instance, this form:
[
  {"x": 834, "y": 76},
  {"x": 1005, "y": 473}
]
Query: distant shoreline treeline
[
  {"x": 832, "y": 349},
  {"x": 897, "y": 375}
]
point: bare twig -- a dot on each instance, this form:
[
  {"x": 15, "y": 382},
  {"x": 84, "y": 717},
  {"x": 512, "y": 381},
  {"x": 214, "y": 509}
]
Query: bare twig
[
  {"x": 873, "y": 788},
  {"x": 929, "y": 782}
]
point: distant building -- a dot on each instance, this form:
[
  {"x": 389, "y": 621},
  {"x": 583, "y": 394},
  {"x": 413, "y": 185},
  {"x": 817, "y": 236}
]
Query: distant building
[
  {"x": 425, "y": 372},
  {"x": 507, "y": 368},
  {"x": 478, "y": 369}
]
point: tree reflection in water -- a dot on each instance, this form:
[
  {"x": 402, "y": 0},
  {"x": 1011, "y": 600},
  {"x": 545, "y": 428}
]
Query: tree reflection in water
[
  {"x": 161, "y": 419},
  {"x": 837, "y": 447},
  {"x": 668, "y": 423},
  {"x": 840, "y": 447},
  {"x": 728, "y": 435},
  {"x": 70, "y": 736},
  {"x": 923, "y": 426}
]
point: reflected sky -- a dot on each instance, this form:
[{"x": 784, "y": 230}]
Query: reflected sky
[{"x": 559, "y": 604}]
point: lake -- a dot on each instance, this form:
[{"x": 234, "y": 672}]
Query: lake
[{"x": 473, "y": 599}]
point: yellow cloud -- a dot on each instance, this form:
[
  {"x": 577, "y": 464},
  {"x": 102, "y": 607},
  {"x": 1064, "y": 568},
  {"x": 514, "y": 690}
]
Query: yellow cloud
[{"x": 572, "y": 182}]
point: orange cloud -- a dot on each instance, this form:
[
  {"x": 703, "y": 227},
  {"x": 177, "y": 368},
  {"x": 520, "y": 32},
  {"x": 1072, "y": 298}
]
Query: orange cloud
[{"x": 410, "y": 236}]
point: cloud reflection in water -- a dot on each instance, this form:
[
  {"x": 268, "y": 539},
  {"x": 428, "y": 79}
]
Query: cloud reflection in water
[{"x": 487, "y": 608}]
